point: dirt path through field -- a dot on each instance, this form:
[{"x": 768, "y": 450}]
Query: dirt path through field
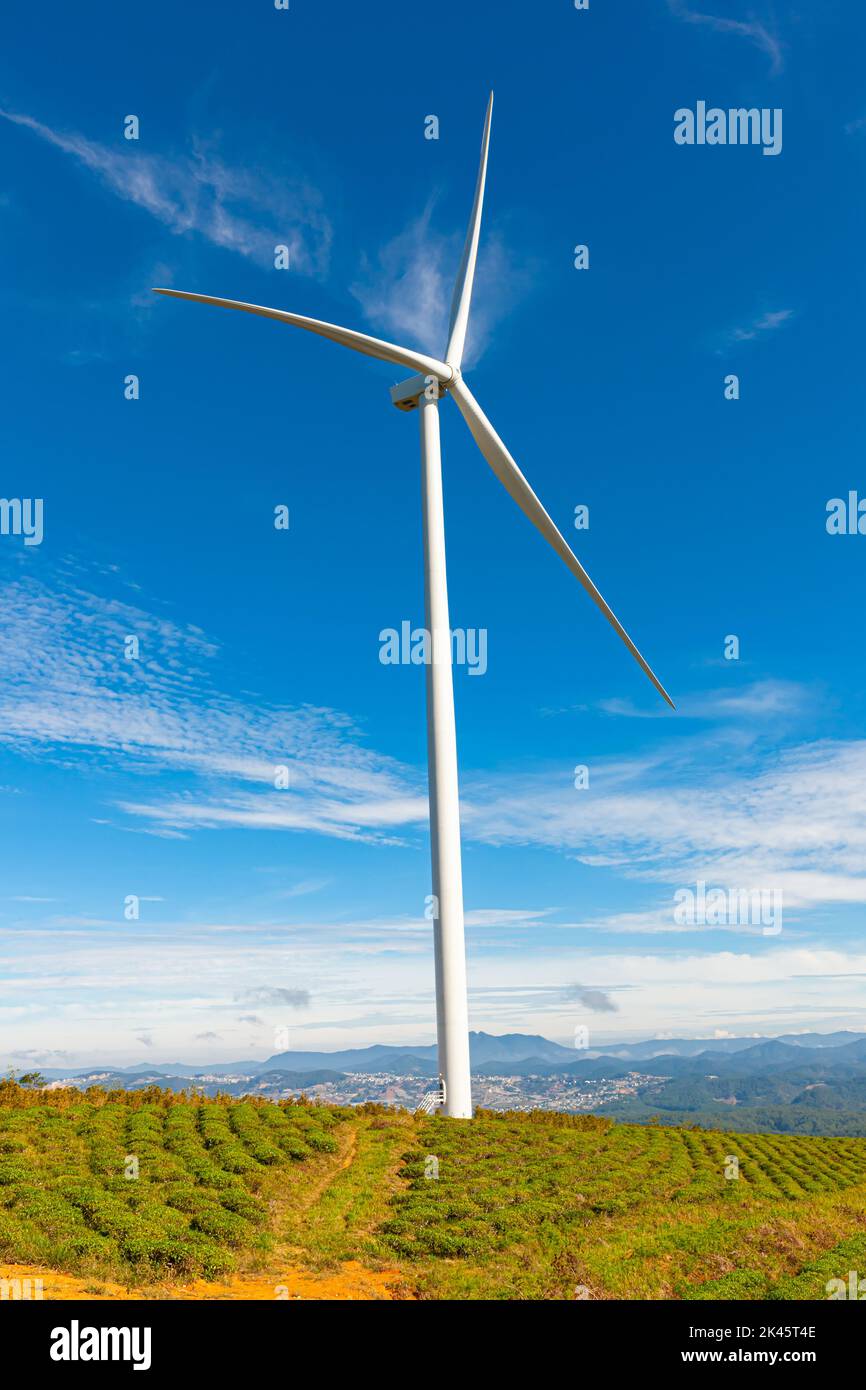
[
  {"x": 351, "y": 1281},
  {"x": 346, "y": 1156}
]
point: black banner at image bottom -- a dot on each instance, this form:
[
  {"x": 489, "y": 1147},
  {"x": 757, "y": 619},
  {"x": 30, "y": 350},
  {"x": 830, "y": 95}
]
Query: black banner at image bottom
[{"x": 81, "y": 1339}]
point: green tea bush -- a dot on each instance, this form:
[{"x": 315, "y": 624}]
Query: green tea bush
[{"x": 223, "y": 1226}]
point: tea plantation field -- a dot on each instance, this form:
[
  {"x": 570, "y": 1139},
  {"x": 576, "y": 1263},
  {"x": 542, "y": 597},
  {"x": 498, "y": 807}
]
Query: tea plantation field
[
  {"x": 561, "y": 1206},
  {"x": 136, "y": 1186},
  {"x": 153, "y": 1189}
]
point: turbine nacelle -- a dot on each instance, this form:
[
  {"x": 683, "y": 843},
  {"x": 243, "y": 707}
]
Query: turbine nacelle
[{"x": 406, "y": 394}]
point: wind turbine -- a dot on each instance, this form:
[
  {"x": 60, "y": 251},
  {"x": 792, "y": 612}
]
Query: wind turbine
[{"x": 434, "y": 378}]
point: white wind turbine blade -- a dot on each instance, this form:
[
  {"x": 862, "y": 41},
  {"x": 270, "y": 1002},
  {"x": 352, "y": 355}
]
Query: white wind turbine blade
[
  {"x": 462, "y": 297},
  {"x": 348, "y": 337},
  {"x": 513, "y": 481}
]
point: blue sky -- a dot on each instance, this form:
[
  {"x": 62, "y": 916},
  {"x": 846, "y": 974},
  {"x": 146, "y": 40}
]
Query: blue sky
[{"x": 302, "y": 909}]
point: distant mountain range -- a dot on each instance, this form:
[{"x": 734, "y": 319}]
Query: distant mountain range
[{"x": 521, "y": 1054}]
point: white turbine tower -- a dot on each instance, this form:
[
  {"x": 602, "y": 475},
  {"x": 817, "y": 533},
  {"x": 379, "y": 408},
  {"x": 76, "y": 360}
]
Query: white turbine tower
[{"x": 422, "y": 391}]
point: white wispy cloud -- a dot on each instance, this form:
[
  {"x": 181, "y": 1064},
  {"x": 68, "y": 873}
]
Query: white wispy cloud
[
  {"x": 347, "y": 819},
  {"x": 657, "y": 920},
  {"x": 734, "y": 815},
  {"x": 300, "y": 890},
  {"x": 406, "y": 291},
  {"x": 84, "y": 702},
  {"x": 751, "y": 28},
  {"x": 765, "y": 323},
  {"x": 239, "y": 209},
  {"x": 768, "y": 699},
  {"x": 507, "y": 916}
]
